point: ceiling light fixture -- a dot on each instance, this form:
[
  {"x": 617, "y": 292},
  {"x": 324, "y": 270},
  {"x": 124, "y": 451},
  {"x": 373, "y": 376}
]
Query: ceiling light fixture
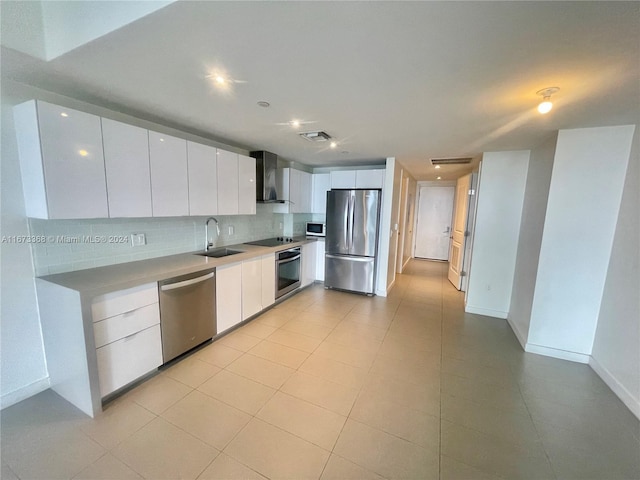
[
  {"x": 315, "y": 136},
  {"x": 438, "y": 178},
  {"x": 545, "y": 106},
  {"x": 295, "y": 123},
  {"x": 437, "y": 166},
  {"x": 63, "y": 114},
  {"x": 333, "y": 144},
  {"x": 83, "y": 153}
]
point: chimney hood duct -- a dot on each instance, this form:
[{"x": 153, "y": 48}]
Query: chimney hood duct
[{"x": 266, "y": 165}]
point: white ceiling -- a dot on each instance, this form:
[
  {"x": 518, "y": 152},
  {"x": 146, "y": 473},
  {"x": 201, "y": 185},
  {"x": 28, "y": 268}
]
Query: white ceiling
[{"x": 411, "y": 80}]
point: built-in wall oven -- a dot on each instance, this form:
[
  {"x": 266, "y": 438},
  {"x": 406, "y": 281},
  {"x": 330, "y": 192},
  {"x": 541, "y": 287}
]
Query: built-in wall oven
[{"x": 287, "y": 271}]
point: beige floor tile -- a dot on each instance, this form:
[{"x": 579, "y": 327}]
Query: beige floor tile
[
  {"x": 281, "y": 354},
  {"x": 218, "y": 354},
  {"x": 206, "y": 418},
  {"x": 329, "y": 307},
  {"x": 385, "y": 454},
  {"x": 7, "y": 474},
  {"x": 499, "y": 375},
  {"x": 261, "y": 370},
  {"x": 380, "y": 319},
  {"x": 508, "y": 399},
  {"x": 276, "y": 317},
  {"x": 160, "y": 450},
  {"x": 345, "y": 354},
  {"x": 49, "y": 453},
  {"x": 325, "y": 320},
  {"x": 308, "y": 328},
  {"x": 353, "y": 340},
  {"x": 406, "y": 370},
  {"x": 226, "y": 468},
  {"x": 451, "y": 469},
  {"x": 486, "y": 453},
  {"x": 425, "y": 398},
  {"x": 326, "y": 394},
  {"x": 413, "y": 342},
  {"x": 107, "y": 467},
  {"x": 237, "y": 391},
  {"x": 339, "y": 468},
  {"x": 334, "y": 371},
  {"x": 119, "y": 420},
  {"x": 303, "y": 419},
  {"x": 504, "y": 425},
  {"x": 412, "y": 425},
  {"x": 361, "y": 329},
  {"x": 239, "y": 341},
  {"x": 276, "y": 453},
  {"x": 256, "y": 329},
  {"x": 295, "y": 340},
  {"x": 191, "y": 371},
  {"x": 159, "y": 393}
]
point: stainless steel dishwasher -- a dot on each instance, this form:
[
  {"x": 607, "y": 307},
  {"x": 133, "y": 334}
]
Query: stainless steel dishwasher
[{"x": 187, "y": 312}]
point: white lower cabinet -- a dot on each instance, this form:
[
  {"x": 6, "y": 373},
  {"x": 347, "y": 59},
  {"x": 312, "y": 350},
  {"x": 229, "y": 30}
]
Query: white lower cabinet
[
  {"x": 308, "y": 264},
  {"x": 320, "y": 260},
  {"x": 126, "y": 330},
  {"x": 228, "y": 296},
  {"x": 268, "y": 280},
  {"x": 251, "y": 287},
  {"x": 129, "y": 358}
]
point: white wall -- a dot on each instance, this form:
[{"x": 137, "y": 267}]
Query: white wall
[
  {"x": 533, "y": 213},
  {"x": 501, "y": 190},
  {"x": 23, "y": 370},
  {"x": 616, "y": 347},
  {"x": 385, "y": 227},
  {"x": 582, "y": 210}
]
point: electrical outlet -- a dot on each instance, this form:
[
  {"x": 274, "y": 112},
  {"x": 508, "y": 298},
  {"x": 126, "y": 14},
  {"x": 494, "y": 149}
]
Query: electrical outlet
[
  {"x": 138, "y": 239},
  {"x": 281, "y": 225},
  {"x": 231, "y": 230}
]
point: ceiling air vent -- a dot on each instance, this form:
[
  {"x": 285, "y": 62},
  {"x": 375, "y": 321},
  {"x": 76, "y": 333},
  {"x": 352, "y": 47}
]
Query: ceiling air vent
[
  {"x": 316, "y": 136},
  {"x": 450, "y": 161}
]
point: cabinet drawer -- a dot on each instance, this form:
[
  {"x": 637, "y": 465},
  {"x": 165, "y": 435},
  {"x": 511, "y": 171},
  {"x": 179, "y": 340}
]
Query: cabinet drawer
[
  {"x": 123, "y": 301},
  {"x": 129, "y": 358},
  {"x": 114, "y": 328}
]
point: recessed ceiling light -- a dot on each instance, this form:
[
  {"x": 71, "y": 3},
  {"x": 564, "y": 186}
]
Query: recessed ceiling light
[
  {"x": 437, "y": 166},
  {"x": 264, "y": 104},
  {"x": 63, "y": 114},
  {"x": 219, "y": 79},
  {"x": 438, "y": 178},
  {"x": 333, "y": 144},
  {"x": 162, "y": 139},
  {"x": 83, "y": 153},
  {"x": 295, "y": 123}
]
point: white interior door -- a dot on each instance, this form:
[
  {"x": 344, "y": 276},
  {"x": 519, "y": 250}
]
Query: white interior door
[
  {"x": 435, "y": 207},
  {"x": 459, "y": 233}
]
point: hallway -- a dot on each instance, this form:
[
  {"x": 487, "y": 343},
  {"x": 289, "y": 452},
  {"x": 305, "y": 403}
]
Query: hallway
[{"x": 329, "y": 385}]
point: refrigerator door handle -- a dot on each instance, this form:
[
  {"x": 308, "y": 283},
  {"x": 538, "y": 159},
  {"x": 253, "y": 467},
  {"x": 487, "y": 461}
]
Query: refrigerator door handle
[
  {"x": 352, "y": 202},
  {"x": 351, "y": 259}
]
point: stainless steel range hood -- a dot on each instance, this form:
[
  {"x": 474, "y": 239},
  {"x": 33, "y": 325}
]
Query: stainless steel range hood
[{"x": 266, "y": 165}]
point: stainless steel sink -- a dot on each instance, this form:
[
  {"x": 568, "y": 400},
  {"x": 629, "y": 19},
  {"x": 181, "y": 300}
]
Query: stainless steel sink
[{"x": 219, "y": 252}]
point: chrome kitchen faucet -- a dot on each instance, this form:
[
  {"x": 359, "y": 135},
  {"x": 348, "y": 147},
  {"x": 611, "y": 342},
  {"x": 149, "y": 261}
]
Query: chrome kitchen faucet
[{"x": 207, "y": 243}]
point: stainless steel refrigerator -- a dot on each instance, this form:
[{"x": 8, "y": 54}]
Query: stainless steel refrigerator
[{"x": 351, "y": 245}]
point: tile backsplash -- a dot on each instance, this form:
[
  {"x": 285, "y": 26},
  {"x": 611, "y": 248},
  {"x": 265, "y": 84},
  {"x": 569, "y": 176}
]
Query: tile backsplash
[{"x": 78, "y": 244}]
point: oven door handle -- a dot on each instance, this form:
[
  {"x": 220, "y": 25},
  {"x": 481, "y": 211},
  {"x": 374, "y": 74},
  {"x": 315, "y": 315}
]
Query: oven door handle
[{"x": 280, "y": 262}]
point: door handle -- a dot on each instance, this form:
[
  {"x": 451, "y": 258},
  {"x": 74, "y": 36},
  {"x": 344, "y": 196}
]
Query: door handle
[{"x": 186, "y": 283}]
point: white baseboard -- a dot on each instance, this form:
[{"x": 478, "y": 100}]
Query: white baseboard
[
  {"x": 518, "y": 333},
  {"x": 557, "y": 353},
  {"x": 618, "y": 388},
  {"x": 486, "y": 312},
  {"x": 23, "y": 393}
]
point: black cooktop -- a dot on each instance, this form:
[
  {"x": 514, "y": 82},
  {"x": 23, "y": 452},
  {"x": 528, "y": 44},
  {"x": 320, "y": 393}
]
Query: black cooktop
[{"x": 275, "y": 241}]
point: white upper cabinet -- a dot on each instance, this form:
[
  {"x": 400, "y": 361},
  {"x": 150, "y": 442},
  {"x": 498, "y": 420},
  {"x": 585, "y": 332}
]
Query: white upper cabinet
[
  {"x": 246, "y": 185},
  {"x": 61, "y": 160},
  {"x": 373, "y": 178},
  {"x": 126, "y": 162},
  {"x": 227, "y": 183},
  {"x": 169, "y": 180},
  {"x": 203, "y": 179},
  {"x": 321, "y": 185},
  {"x": 370, "y": 178},
  {"x": 343, "y": 179},
  {"x": 294, "y": 186}
]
